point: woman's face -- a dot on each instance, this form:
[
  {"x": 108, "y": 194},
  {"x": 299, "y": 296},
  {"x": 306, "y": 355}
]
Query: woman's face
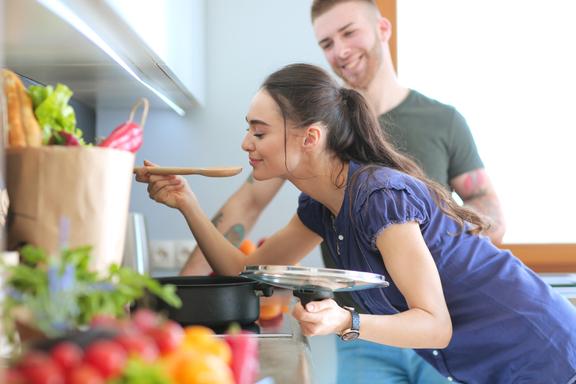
[{"x": 272, "y": 148}]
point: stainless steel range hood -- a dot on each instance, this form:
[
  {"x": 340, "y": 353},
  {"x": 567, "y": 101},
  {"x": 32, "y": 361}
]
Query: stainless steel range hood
[{"x": 87, "y": 46}]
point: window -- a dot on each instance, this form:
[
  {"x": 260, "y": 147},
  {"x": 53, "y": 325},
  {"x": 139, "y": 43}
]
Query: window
[{"x": 510, "y": 68}]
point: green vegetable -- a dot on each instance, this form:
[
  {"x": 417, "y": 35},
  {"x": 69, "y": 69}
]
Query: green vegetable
[
  {"x": 53, "y": 113},
  {"x": 140, "y": 372},
  {"x": 64, "y": 294}
]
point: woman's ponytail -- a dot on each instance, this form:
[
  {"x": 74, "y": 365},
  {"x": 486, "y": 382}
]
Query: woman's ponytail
[{"x": 307, "y": 95}]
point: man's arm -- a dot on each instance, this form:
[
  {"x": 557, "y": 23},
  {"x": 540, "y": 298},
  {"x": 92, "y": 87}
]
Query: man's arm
[
  {"x": 477, "y": 192},
  {"x": 236, "y": 218}
]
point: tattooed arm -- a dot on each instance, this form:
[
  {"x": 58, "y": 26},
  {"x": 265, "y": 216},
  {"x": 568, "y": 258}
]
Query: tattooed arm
[
  {"x": 236, "y": 218},
  {"x": 476, "y": 191}
]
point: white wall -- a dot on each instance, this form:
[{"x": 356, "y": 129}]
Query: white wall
[
  {"x": 509, "y": 67},
  {"x": 245, "y": 41}
]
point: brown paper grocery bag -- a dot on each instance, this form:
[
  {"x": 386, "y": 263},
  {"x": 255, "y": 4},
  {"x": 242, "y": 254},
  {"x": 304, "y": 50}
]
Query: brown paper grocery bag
[{"x": 89, "y": 187}]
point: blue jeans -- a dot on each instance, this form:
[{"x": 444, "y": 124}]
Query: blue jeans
[{"x": 362, "y": 362}]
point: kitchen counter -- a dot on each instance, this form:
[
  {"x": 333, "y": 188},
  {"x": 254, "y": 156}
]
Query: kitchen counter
[
  {"x": 285, "y": 360},
  {"x": 563, "y": 283}
]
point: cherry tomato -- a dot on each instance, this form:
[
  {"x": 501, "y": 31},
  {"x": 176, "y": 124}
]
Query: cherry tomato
[
  {"x": 140, "y": 345},
  {"x": 84, "y": 374},
  {"x": 145, "y": 320},
  {"x": 168, "y": 336},
  {"x": 39, "y": 368},
  {"x": 107, "y": 356},
  {"x": 66, "y": 354},
  {"x": 14, "y": 376}
]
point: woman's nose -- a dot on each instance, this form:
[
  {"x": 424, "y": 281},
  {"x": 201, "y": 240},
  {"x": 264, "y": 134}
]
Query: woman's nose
[{"x": 247, "y": 144}]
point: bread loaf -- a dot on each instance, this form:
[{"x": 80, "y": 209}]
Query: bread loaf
[
  {"x": 23, "y": 128},
  {"x": 16, "y": 136},
  {"x": 31, "y": 127}
]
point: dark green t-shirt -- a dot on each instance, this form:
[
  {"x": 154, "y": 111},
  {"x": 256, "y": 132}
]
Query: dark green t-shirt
[{"x": 433, "y": 134}]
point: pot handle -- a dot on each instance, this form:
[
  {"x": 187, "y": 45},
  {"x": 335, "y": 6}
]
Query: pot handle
[{"x": 266, "y": 289}]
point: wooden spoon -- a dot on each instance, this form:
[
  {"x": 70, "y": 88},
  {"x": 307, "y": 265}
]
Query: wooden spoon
[{"x": 210, "y": 172}]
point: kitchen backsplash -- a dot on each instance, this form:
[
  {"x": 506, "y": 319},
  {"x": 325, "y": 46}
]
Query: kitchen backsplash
[{"x": 170, "y": 254}]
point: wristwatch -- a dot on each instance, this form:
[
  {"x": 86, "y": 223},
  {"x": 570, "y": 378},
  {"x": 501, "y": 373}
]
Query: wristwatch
[{"x": 353, "y": 332}]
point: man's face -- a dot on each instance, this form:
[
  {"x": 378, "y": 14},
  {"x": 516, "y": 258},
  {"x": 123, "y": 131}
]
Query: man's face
[{"x": 347, "y": 34}]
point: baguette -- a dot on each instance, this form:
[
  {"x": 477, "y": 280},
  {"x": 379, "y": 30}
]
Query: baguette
[
  {"x": 31, "y": 127},
  {"x": 16, "y": 136}
]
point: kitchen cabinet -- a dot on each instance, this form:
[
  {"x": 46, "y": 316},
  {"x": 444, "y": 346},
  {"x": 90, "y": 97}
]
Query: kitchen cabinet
[{"x": 88, "y": 46}]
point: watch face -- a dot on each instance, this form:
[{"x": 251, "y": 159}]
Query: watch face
[{"x": 350, "y": 335}]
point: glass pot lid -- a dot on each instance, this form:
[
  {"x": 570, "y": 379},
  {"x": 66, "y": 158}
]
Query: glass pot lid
[{"x": 308, "y": 278}]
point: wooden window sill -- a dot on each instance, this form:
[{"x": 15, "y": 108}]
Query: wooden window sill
[{"x": 546, "y": 257}]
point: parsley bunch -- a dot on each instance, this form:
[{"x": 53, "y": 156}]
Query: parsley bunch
[{"x": 63, "y": 294}]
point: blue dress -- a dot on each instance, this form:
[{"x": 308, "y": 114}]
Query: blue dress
[{"x": 508, "y": 325}]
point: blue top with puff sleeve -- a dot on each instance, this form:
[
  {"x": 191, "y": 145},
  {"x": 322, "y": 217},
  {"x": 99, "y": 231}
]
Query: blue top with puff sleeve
[{"x": 508, "y": 325}]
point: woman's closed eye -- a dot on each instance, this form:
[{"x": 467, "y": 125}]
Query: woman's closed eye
[{"x": 255, "y": 134}]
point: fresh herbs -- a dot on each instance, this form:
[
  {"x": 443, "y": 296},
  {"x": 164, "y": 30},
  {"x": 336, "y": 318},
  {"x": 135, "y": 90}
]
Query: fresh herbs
[{"x": 62, "y": 293}]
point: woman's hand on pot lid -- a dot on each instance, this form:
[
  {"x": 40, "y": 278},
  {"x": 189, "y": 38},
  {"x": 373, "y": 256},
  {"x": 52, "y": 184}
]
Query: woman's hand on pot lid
[{"x": 321, "y": 318}]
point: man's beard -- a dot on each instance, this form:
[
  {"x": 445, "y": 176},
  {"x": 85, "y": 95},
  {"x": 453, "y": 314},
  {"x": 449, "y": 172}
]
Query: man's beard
[{"x": 373, "y": 59}]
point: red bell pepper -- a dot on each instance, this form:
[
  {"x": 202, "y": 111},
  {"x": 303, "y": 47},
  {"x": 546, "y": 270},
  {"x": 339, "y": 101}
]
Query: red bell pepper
[
  {"x": 245, "y": 363},
  {"x": 127, "y": 136}
]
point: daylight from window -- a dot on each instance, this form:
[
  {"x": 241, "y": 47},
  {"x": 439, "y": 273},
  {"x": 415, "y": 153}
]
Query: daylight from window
[{"x": 510, "y": 68}]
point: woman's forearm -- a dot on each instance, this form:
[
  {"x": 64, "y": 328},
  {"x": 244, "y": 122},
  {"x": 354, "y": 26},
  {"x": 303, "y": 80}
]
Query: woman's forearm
[{"x": 414, "y": 328}]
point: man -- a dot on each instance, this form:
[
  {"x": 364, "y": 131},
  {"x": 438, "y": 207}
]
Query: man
[{"x": 354, "y": 38}]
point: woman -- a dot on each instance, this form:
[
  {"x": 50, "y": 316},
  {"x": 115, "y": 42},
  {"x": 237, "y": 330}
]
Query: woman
[{"x": 475, "y": 312}]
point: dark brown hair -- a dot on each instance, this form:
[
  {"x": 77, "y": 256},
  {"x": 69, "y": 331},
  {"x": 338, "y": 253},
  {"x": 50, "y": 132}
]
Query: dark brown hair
[
  {"x": 306, "y": 95},
  {"x": 320, "y": 6}
]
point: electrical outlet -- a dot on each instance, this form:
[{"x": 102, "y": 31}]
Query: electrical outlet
[
  {"x": 182, "y": 251},
  {"x": 162, "y": 255}
]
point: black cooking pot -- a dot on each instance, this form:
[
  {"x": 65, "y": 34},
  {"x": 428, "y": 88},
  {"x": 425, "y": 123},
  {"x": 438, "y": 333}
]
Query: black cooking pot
[{"x": 214, "y": 301}]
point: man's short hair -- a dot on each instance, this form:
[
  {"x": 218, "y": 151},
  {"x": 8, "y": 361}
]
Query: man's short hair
[{"x": 321, "y": 6}]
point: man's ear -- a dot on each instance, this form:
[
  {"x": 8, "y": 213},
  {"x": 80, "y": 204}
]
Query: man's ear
[
  {"x": 384, "y": 29},
  {"x": 312, "y": 136}
]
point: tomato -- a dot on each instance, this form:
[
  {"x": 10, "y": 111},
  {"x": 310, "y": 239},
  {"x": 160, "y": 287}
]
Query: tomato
[
  {"x": 269, "y": 311},
  {"x": 140, "y": 345},
  {"x": 247, "y": 246},
  {"x": 198, "y": 334},
  {"x": 168, "y": 336},
  {"x": 203, "y": 339},
  {"x": 107, "y": 356},
  {"x": 84, "y": 374},
  {"x": 144, "y": 319},
  {"x": 14, "y": 376},
  {"x": 203, "y": 368},
  {"x": 39, "y": 368},
  {"x": 66, "y": 354},
  {"x": 273, "y": 322}
]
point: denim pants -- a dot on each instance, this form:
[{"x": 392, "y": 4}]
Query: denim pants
[{"x": 361, "y": 362}]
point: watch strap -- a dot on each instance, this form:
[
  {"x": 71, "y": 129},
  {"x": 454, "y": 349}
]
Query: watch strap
[{"x": 353, "y": 332}]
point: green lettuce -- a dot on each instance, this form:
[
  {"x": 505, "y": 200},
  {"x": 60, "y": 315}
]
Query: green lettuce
[{"x": 53, "y": 113}]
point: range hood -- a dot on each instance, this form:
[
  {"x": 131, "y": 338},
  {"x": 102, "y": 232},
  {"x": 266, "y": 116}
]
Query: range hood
[{"x": 87, "y": 46}]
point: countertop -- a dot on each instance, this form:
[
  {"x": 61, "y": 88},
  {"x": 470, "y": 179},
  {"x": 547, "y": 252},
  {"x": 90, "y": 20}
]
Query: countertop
[{"x": 285, "y": 360}]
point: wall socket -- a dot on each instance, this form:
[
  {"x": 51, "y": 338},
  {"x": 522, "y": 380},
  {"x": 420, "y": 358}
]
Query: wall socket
[
  {"x": 182, "y": 250},
  {"x": 162, "y": 254}
]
